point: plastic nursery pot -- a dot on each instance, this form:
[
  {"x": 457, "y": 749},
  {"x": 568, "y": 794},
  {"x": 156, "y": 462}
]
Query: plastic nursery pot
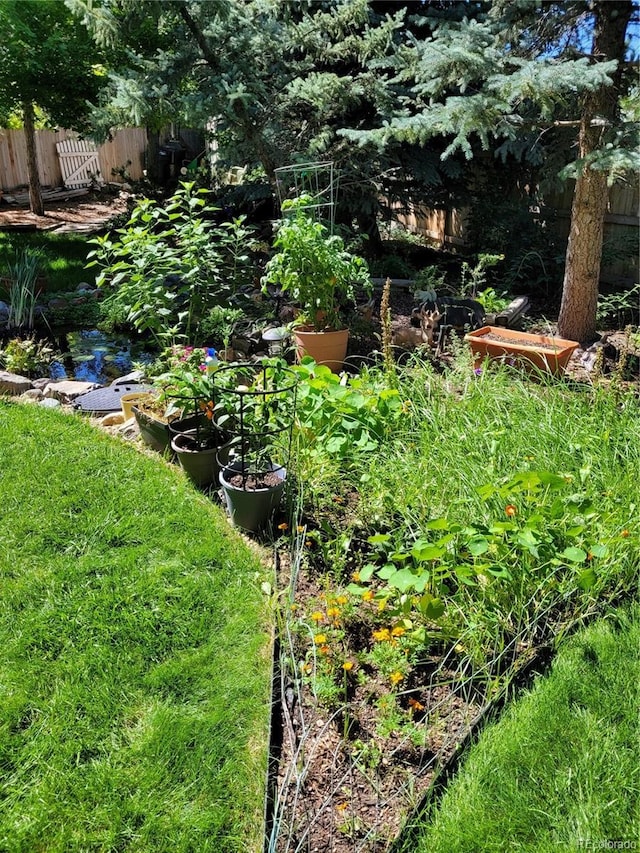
[
  {"x": 249, "y": 507},
  {"x": 128, "y": 401},
  {"x": 153, "y": 431},
  {"x": 201, "y": 465},
  {"x": 329, "y": 348},
  {"x": 544, "y": 352}
]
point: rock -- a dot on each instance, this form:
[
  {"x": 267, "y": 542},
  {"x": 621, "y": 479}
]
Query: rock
[
  {"x": 4, "y": 309},
  {"x": 134, "y": 377},
  {"x": 129, "y": 430},
  {"x": 84, "y": 287},
  {"x": 13, "y": 383},
  {"x": 112, "y": 419},
  {"x": 49, "y": 403},
  {"x": 41, "y": 384},
  {"x": 68, "y": 389},
  {"x": 32, "y": 394},
  {"x": 58, "y": 304}
]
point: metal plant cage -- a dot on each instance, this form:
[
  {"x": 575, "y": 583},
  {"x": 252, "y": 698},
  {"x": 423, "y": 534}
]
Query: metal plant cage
[
  {"x": 255, "y": 404},
  {"x": 319, "y": 180}
]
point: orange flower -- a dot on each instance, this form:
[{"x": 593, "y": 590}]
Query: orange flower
[
  {"x": 308, "y": 543},
  {"x": 317, "y": 616},
  {"x": 341, "y": 806},
  {"x": 382, "y": 635},
  {"x": 396, "y": 677},
  {"x": 367, "y": 595},
  {"x": 347, "y": 665},
  {"x": 510, "y": 510},
  {"x": 337, "y": 499},
  {"x": 625, "y": 533},
  {"x": 324, "y": 650},
  {"x": 283, "y": 526},
  {"x": 300, "y": 528},
  {"x": 415, "y": 705}
]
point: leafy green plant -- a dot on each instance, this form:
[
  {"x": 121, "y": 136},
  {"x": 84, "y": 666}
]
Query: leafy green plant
[
  {"x": 170, "y": 264},
  {"x": 314, "y": 267},
  {"x": 219, "y": 323},
  {"x": 492, "y": 301},
  {"x": 28, "y": 357},
  {"x": 619, "y": 306},
  {"x": 23, "y": 288},
  {"x": 473, "y": 278},
  {"x": 343, "y": 416}
]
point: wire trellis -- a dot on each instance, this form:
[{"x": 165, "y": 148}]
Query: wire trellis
[{"x": 318, "y": 180}]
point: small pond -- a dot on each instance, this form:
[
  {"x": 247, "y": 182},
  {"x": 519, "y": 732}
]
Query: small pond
[{"x": 94, "y": 356}]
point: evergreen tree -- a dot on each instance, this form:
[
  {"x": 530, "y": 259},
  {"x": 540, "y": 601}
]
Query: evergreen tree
[{"x": 516, "y": 78}]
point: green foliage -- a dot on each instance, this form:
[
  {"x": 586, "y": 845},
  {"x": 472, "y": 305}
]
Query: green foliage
[
  {"x": 219, "y": 323},
  {"x": 314, "y": 267},
  {"x": 27, "y": 357},
  {"x": 170, "y": 264},
  {"x": 47, "y": 58},
  {"x": 23, "y": 288},
  {"x": 342, "y": 417}
]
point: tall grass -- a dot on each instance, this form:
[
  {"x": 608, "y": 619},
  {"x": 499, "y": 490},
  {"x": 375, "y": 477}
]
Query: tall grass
[
  {"x": 133, "y": 652},
  {"x": 63, "y": 258},
  {"x": 560, "y": 770}
]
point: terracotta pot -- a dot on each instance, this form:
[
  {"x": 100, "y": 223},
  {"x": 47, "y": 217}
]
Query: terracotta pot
[
  {"x": 544, "y": 352},
  {"x": 328, "y": 348}
]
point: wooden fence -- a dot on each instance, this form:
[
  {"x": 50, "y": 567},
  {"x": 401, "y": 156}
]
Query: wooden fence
[
  {"x": 622, "y": 224},
  {"x": 127, "y": 146},
  {"x": 126, "y": 151}
]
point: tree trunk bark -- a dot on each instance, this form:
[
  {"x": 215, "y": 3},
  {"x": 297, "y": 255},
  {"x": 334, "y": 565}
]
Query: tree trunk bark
[
  {"x": 35, "y": 191},
  {"x": 577, "y": 319}
]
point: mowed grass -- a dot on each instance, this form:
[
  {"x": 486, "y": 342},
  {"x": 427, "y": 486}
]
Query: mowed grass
[
  {"x": 561, "y": 769},
  {"x": 134, "y": 652}
]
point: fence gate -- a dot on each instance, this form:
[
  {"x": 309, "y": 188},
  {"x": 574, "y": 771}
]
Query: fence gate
[{"x": 79, "y": 163}]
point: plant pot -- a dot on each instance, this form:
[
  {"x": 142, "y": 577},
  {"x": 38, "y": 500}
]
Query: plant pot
[
  {"x": 128, "y": 401},
  {"x": 201, "y": 465},
  {"x": 329, "y": 348},
  {"x": 251, "y": 508},
  {"x": 544, "y": 352},
  {"x": 153, "y": 430}
]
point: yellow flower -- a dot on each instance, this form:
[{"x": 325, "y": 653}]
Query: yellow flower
[
  {"x": 300, "y": 528},
  {"x": 341, "y": 599},
  {"x": 625, "y": 533},
  {"x": 367, "y": 595},
  {"x": 347, "y": 665},
  {"x": 355, "y": 577},
  {"x": 396, "y": 677},
  {"x": 382, "y": 635},
  {"x": 333, "y": 612},
  {"x": 317, "y": 616},
  {"x": 341, "y": 806},
  {"x": 398, "y": 631},
  {"x": 320, "y": 639}
]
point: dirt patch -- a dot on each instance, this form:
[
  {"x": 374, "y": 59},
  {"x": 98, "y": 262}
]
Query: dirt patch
[{"x": 83, "y": 215}]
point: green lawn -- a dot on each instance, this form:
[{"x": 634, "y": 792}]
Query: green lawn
[
  {"x": 134, "y": 652},
  {"x": 561, "y": 769}
]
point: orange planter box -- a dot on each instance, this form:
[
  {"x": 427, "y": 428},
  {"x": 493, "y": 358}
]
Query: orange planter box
[{"x": 544, "y": 352}]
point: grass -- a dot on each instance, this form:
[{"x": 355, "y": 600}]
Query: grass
[
  {"x": 560, "y": 769},
  {"x": 135, "y": 654},
  {"x": 64, "y": 255}
]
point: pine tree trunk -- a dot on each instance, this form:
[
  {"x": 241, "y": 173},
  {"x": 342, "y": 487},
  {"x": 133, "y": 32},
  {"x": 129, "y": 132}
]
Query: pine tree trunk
[
  {"x": 577, "y": 319},
  {"x": 35, "y": 191}
]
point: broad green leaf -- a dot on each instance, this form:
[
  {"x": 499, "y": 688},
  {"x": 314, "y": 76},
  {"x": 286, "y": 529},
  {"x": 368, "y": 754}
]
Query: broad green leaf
[
  {"x": 379, "y": 539},
  {"x": 437, "y": 524},
  {"x": 366, "y": 572},
  {"x": 587, "y": 578},
  {"x": 574, "y": 555},
  {"x": 402, "y": 580},
  {"x": 478, "y": 546}
]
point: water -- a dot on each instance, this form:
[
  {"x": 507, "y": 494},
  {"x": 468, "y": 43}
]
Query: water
[{"x": 94, "y": 356}]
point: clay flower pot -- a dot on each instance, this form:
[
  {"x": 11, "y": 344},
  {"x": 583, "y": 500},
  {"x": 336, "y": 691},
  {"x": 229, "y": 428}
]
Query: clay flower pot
[
  {"x": 543, "y": 352},
  {"x": 329, "y": 348}
]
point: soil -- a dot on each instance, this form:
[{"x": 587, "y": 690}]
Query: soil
[
  {"x": 82, "y": 215},
  {"x": 254, "y": 482}
]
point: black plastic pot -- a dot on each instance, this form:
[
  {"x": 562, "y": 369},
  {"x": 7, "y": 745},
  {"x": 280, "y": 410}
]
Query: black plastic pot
[{"x": 154, "y": 432}]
